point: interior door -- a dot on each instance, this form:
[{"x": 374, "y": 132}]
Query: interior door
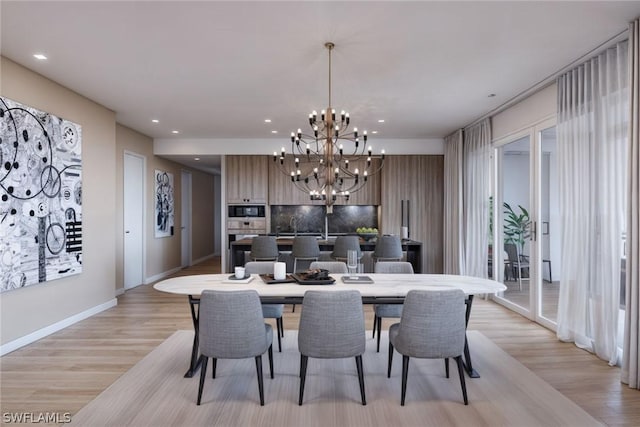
[
  {"x": 526, "y": 210},
  {"x": 185, "y": 226},
  {"x": 134, "y": 167}
]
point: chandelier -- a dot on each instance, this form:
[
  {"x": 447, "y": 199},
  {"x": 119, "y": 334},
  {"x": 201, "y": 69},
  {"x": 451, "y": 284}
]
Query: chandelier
[{"x": 332, "y": 161}]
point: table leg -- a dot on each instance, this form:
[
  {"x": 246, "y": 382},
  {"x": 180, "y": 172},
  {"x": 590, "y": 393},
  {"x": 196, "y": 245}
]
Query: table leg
[
  {"x": 195, "y": 360},
  {"x": 467, "y": 354}
]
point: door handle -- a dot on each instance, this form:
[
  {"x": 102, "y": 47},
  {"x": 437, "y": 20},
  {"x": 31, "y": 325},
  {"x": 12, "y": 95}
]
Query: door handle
[{"x": 127, "y": 232}]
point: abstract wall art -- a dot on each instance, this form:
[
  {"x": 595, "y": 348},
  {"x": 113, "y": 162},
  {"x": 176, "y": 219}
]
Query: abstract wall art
[
  {"x": 40, "y": 196},
  {"x": 164, "y": 204}
]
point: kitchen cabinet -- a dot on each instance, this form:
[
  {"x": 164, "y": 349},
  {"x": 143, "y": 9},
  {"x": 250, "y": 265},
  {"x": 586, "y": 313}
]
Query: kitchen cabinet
[
  {"x": 419, "y": 179},
  {"x": 247, "y": 179},
  {"x": 283, "y": 192}
]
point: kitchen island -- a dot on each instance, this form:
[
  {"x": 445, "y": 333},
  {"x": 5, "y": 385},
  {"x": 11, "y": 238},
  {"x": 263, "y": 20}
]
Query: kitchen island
[{"x": 239, "y": 251}]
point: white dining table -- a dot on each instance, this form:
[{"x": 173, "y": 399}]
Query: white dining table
[{"x": 385, "y": 289}]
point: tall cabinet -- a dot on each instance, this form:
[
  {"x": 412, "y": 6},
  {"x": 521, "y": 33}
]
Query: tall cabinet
[
  {"x": 247, "y": 179},
  {"x": 419, "y": 179}
]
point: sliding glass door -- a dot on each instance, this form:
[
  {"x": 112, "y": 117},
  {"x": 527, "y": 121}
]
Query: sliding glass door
[{"x": 525, "y": 242}]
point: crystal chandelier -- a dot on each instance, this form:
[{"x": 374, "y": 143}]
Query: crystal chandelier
[{"x": 326, "y": 161}]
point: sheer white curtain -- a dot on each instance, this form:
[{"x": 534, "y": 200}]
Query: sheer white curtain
[
  {"x": 592, "y": 141},
  {"x": 631, "y": 349},
  {"x": 453, "y": 225},
  {"x": 477, "y": 189}
]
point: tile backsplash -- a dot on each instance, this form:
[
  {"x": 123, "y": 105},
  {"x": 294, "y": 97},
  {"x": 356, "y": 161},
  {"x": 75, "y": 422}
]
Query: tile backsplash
[{"x": 310, "y": 219}]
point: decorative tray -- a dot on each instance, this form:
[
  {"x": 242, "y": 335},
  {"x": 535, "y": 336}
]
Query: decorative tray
[
  {"x": 357, "y": 279},
  {"x": 303, "y": 279},
  {"x": 268, "y": 279}
]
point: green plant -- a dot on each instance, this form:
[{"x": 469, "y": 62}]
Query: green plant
[{"x": 516, "y": 226}]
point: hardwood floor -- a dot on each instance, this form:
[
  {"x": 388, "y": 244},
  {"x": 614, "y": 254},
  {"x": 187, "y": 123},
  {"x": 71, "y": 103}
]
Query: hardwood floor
[{"x": 64, "y": 371}]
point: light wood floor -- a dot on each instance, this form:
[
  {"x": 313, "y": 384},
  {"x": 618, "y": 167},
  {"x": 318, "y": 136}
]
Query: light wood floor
[{"x": 63, "y": 372}]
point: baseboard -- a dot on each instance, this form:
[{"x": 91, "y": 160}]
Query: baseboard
[
  {"x": 41, "y": 333},
  {"x": 161, "y": 276},
  {"x": 119, "y": 291},
  {"x": 199, "y": 260}
]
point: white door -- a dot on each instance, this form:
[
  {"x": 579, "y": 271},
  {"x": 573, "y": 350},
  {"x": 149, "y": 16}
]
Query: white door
[
  {"x": 185, "y": 226},
  {"x": 134, "y": 166}
]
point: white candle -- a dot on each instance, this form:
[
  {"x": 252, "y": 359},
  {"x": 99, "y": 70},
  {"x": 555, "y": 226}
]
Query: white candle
[{"x": 279, "y": 270}]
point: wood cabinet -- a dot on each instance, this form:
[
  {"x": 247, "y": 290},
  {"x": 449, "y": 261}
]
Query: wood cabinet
[
  {"x": 283, "y": 192},
  {"x": 419, "y": 179},
  {"x": 247, "y": 179}
]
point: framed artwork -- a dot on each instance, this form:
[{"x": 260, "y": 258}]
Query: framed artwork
[
  {"x": 164, "y": 204},
  {"x": 40, "y": 196}
]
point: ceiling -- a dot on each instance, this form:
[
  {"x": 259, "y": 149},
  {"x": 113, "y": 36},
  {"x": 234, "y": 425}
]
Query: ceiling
[{"x": 211, "y": 69}]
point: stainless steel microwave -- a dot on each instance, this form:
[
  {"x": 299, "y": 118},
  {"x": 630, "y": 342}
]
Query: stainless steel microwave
[{"x": 242, "y": 211}]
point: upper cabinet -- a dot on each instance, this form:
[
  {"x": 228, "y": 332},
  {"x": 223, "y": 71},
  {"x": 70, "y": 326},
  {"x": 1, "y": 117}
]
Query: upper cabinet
[
  {"x": 283, "y": 192},
  {"x": 247, "y": 179}
]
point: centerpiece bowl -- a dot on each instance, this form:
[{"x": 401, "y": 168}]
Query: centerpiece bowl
[{"x": 368, "y": 236}]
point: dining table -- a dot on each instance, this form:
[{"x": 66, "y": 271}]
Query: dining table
[{"x": 381, "y": 289}]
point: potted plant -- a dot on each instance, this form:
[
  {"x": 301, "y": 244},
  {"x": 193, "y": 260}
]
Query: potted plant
[{"x": 516, "y": 225}]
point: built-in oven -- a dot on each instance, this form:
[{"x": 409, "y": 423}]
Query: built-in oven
[{"x": 247, "y": 211}]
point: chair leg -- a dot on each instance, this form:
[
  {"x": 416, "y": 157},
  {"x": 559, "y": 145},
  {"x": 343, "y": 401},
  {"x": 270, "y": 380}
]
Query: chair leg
[
  {"x": 278, "y": 320},
  {"x": 213, "y": 371},
  {"x": 375, "y": 323},
  {"x": 270, "y": 355},
  {"x": 203, "y": 373},
  {"x": 405, "y": 371},
  {"x": 446, "y": 366},
  {"x": 462, "y": 383},
  {"x": 390, "y": 360},
  {"x": 379, "y": 333},
  {"x": 361, "y": 378},
  {"x": 260, "y": 385},
  {"x": 293, "y": 309},
  {"x": 282, "y": 327},
  {"x": 303, "y": 376}
]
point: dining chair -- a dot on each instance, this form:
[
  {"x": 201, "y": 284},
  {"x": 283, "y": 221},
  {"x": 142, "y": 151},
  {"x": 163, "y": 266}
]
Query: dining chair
[
  {"x": 343, "y": 244},
  {"x": 304, "y": 248},
  {"x": 264, "y": 248},
  {"x": 232, "y": 327},
  {"x": 331, "y": 327},
  {"x": 337, "y": 267},
  {"x": 385, "y": 311},
  {"x": 432, "y": 327},
  {"x": 269, "y": 311},
  {"x": 388, "y": 247},
  {"x": 516, "y": 263}
]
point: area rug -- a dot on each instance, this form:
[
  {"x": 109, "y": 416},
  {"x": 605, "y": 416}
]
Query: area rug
[{"x": 155, "y": 393}]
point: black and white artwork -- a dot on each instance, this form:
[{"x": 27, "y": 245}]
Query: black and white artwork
[
  {"x": 40, "y": 196},
  {"x": 164, "y": 204}
]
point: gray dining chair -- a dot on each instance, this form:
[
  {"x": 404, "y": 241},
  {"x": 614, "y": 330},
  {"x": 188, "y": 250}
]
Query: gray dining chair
[
  {"x": 386, "y": 311},
  {"x": 264, "y": 248},
  {"x": 304, "y": 248},
  {"x": 388, "y": 247},
  {"x": 231, "y": 326},
  {"x": 516, "y": 263},
  {"x": 343, "y": 244},
  {"x": 269, "y": 311},
  {"x": 337, "y": 267},
  {"x": 331, "y": 327},
  {"x": 432, "y": 327}
]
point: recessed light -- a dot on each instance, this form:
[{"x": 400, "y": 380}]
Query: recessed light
[
  {"x": 274, "y": 131},
  {"x": 39, "y": 56},
  {"x": 197, "y": 158},
  {"x": 374, "y": 131},
  {"x": 267, "y": 120},
  {"x": 381, "y": 121},
  {"x": 155, "y": 120},
  {"x": 174, "y": 131}
]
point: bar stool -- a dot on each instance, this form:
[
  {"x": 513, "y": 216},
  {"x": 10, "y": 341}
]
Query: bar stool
[
  {"x": 388, "y": 248},
  {"x": 264, "y": 248},
  {"x": 344, "y": 244},
  {"x": 304, "y": 248}
]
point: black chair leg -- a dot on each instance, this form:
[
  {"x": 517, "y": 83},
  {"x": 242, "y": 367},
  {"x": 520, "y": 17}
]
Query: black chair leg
[
  {"x": 303, "y": 376},
  {"x": 379, "y": 333},
  {"x": 260, "y": 385},
  {"x": 293, "y": 309},
  {"x": 361, "y": 379},
  {"x": 390, "y": 360},
  {"x": 462, "y": 383},
  {"x": 281, "y": 327},
  {"x": 405, "y": 371},
  {"x": 278, "y": 320},
  {"x": 213, "y": 370},
  {"x": 446, "y": 366},
  {"x": 270, "y": 355},
  {"x": 375, "y": 323},
  {"x": 203, "y": 374}
]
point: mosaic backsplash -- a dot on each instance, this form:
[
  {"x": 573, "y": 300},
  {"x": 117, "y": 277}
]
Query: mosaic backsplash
[{"x": 310, "y": 219}]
